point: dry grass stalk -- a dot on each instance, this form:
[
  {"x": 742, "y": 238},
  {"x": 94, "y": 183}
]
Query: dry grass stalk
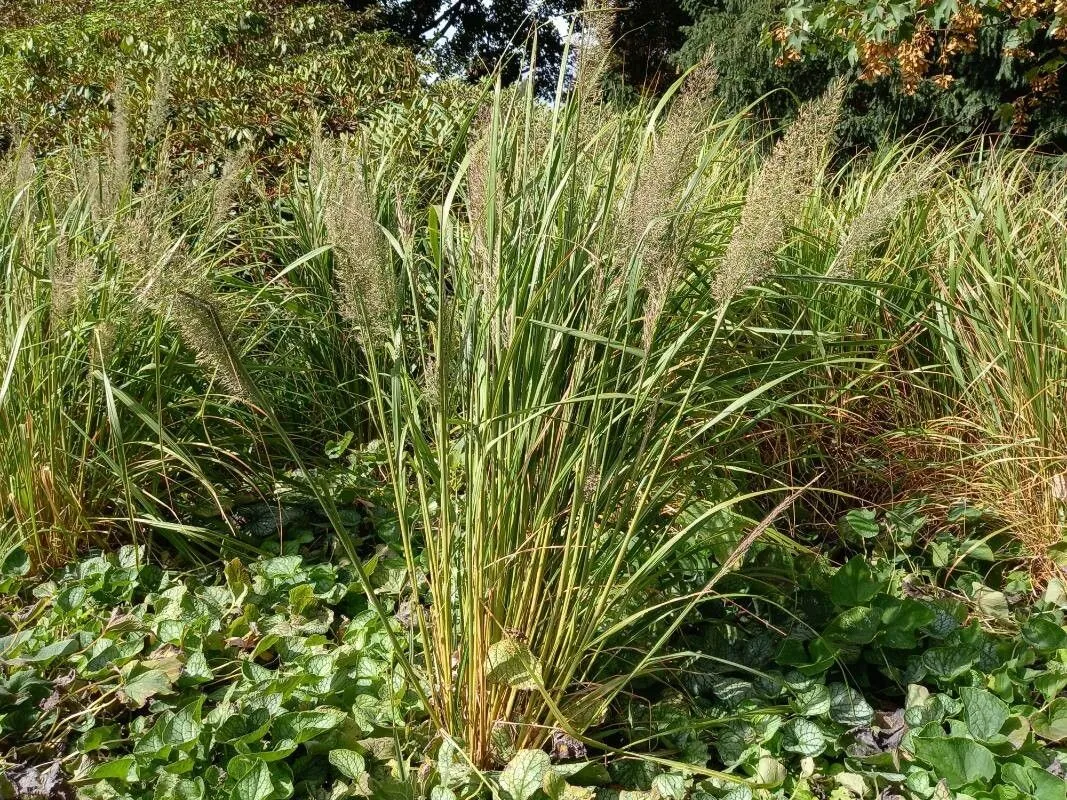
[{"x": 778, "y": 194}]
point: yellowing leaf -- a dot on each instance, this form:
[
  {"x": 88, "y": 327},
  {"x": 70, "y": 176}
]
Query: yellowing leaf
[
  {"x": 510, "y": 662},
  {"x": 144, "y": 685}
]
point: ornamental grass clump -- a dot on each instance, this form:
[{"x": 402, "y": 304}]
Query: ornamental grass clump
[{"x": 541, "y": 485}]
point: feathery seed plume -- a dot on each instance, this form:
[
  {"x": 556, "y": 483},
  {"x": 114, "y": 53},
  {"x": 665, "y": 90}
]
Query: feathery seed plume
[
  {"x": 365, "y": 290},
  {"x": 156, "y": 125},
  {"x": 203, "y": 331},
  {"x": 647, "y": 226},
  {"x": 70, "y": 274},
  {"x": 594, "y": 48},
  {"x": 907, "y": 182},
  {"x": 226, "y": 188},
  {"x": 102, "y": 343},
  {"x": 118, "y": 175},
  {"x": 24, "y": 168},
  {"x": 778, "y": 193}
]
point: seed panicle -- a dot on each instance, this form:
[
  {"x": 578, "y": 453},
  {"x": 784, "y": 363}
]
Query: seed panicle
[
  {"x": 201, "y": 328},
  {"x": 364, "y": 284},
  {"x": 652, "y": 229},
  {"x": 870, "y": 226},
  {"x": 71, "y": 275},
  {"x": 117, "y": 178},
  {"x": 778, "y": 194}
]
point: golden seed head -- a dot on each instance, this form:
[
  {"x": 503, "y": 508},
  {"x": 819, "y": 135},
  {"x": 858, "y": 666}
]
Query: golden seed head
[
  {"x": 778, "y": 193},
  {"x": 364, "y": 282}
]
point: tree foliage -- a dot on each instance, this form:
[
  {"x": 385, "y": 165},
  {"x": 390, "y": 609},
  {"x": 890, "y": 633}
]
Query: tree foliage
[
  {"x": 472, "y": 38},
  {"x": 1009, "y": 53},
  {"x": 219, "y": 74}
]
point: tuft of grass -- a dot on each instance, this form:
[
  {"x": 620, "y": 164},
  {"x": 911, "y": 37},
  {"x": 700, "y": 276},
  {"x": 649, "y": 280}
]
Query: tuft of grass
[{"x": 541, "y": 436}]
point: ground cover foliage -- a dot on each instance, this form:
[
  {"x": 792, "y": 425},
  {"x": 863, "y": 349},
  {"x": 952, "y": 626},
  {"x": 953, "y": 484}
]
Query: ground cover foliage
[
  {"x": 504, "y": 448},
  {"x": 907, "y": 675}
]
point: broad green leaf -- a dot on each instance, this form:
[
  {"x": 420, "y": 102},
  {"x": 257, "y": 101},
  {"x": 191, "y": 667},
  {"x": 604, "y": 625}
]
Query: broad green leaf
[
  {"x": 770, "y": 772},
  {"x": 1053, "y": 680},
  {"x": 976, "y": 549},
  {"x": 957, "y": 760},
  {"x": 16, "y": 563},
  {"x": 348, "y": 762},
  {"x": 237, "y": 580},
  {"x": 1033, "y": 780},
  {"x": 949, "y": 663},
  {"x": 51, "y": 652},
  {"x": 854, "y": 584},
  {"x": 734, "y": 739},
  {"x": 856, "y": 625},
  {"x": 241, "y": 728},
  {"x": 553, "y": 785},
  {"x": 733, "y": 691},
  {"x": 511, "y": 663},
  {"x": 1043, "y": 634},
  {"x": 1017, "y": 731},
  {"x": 992, "y": 603},
  {"x": 522, "y": 776},
  {"x": 853, "y": 782},
  {"x": 669, "y": 786},
  {"x": 99, "y": 737},
  {"x": 804, "y": 737},
  {"x": 813, "y": 701},
  {"x": 905, "y": 521},
  {"x": 984, "y": 712},
  {"x": 947, "y": 617},
  {"x": 174, "y": 788},
  {"x": 185, "y": 727},
  {"x": 859, "y": 522},
  {"x": 906, "y": 614},
  {"x": 584, "y": 773},
  {"x": 848, "y": 707},
  {"x": 941, "y": 552},
  {"x": 1047, "y": 786},
  {"x": 151, "y": 743},
  {"x": 123, "y": 769},
  {"x": 196, "y": 669},
  {"x": 279, "y": 569},
  {"x": 142, "y": 686},
  {"x": 301, "y": 597},
  {"x": 1051, "y": 723},
  {"x": 298, "y": 727},
  {"x": 963, "y": 513},
  {"x": 251, "y": 778}
]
